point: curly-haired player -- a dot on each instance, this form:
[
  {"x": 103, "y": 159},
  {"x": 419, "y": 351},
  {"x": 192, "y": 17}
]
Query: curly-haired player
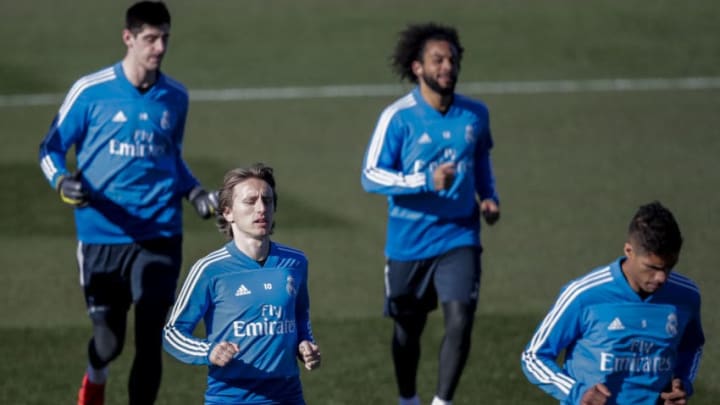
[{"x": 430, "y": 155}]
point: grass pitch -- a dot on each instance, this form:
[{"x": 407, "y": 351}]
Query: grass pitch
[{"x": 571, "y": 169}]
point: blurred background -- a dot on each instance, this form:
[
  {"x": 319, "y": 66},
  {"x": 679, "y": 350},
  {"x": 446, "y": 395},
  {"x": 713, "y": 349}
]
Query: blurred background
[{"x": 299, "y": 85}]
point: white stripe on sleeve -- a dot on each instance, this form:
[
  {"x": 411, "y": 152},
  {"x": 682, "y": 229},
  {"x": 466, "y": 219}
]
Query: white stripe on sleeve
[{"x": 536, "y": 367}]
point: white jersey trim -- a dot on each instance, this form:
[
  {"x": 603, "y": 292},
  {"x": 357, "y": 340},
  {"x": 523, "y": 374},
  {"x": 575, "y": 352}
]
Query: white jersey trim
[
  {"x": 182, "y": 343},
  {"x": 535, "y": 366},
  {"x": 81, "y": 85},
  {"x": 382, "y": 176}
]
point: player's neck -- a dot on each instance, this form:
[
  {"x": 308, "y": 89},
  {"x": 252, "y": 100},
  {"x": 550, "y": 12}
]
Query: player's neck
[
  {"x": 138, "y": 76},
  {"x": 436, "y": 100},
  {"x": 633, "y": 285},
  {"x": 256, "y": 249}
]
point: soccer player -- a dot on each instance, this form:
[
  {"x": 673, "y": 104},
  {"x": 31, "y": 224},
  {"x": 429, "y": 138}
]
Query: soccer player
[
  {"x": 630, "y": 330},
  {"x": 430, "y": 155},
  {"x": 126, "y": 125},
  {"x": 252, "y": 296}
]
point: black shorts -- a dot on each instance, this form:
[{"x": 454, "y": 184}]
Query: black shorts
[
  {"x": 115, "y": 276},
  {"x": 413, "y": 287}
]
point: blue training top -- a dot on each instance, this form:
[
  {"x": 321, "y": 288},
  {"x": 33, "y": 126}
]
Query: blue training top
[
  {"x": 263, "y": 309},
  {"x": 410, "y": 140},
  {"x": 128, "y": 146},
  {"x": 612, "y": 336}
]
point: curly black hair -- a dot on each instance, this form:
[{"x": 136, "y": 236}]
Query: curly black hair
[
  {"x": 655, "y": 230},
  {"x": 411, "y": 45}
]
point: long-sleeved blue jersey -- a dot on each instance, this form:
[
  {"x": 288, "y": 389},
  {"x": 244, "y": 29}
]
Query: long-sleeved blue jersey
[
  {"x": 128, "y": 150},
  {"x": 612, "y": 336},
  {"x": 263, "y": 309},
  {"x": 410, "y": 140}
]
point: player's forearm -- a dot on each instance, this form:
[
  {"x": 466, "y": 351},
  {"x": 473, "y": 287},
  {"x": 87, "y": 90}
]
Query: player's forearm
[
  {"x": 186, "y": 347},
  {"x": 485, "y": 180},
  {"x": 305, "y": 331},
  {"x": 52, "y": 163},
  {"x": 302, "y": 315},
  {"x": 387, "y": 182},
  {"x": 686, "y": 370},
  {"x": 186, "y": 180},
  {"x": 544, "y": 372}
]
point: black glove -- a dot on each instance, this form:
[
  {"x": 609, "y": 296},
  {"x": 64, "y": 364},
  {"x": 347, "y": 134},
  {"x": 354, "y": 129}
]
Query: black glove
[
  {"x": 205, "y": 204},
  {"x": 491, "y": 217},
  {"x": 72, "y": 191}
]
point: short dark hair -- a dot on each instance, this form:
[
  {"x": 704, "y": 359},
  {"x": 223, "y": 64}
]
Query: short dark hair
[
  {"x": 411, "y": 45},
  {"x": 153, "y": 13},
  {"x": 234, "y": 177},
  {"x": 654, "y": 230}
]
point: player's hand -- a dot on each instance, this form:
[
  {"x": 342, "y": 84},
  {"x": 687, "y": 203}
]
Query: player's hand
[
  {"x": 443, "y": 176},
  {"x": 223, "y": 353},
  {"x": 205, "y": 203},
  {"x": 596, "y": 395},
  {"x": 309, "y": 354},
  {"x": 676, "y": 396},
  {"x": 490, "y": 211},
  {"x": 72, "y": 191}
]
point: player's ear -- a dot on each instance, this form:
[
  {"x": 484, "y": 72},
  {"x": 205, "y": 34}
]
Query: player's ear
[
  {"x": 228, "y": 215},
  {"x": 416, "y": 68},
  {"x": 127, "y": 36},
  {"x": 628, "y": 249}
]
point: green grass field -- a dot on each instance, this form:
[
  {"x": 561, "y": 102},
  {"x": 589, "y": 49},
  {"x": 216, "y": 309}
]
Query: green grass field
[{"x": 571, "y": 169}]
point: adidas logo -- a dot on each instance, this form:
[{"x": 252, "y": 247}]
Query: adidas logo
[
  {"x": 242, "y": 290},
  {"x": 616, "y": 324},
  {"x": 119, "y": 117},
  {"x": 424, "y": 138}
]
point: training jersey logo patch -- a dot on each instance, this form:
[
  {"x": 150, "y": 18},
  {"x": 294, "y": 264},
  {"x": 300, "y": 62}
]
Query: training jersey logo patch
[
  {"x": 290, "y": 286},
  {"x": 424, "y": 139},
  {"x": 446, "y": 134},
  {"x": 616, "y": 324},
  {"x": 119, "y": 117},
  {"x": 242, "y": 290},
  {"x": 469, "y": 134},
  {"x": 671, "y": 327},
  {"x": 165, "y": 120}
]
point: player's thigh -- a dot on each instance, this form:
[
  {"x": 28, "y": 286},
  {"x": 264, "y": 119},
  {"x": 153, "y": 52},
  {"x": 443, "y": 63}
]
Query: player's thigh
[
  {"x": 457, "y": 275},
  {"x": 155, "y": 271},
  {"x": 409, "y": 287},
  {"x": 102, "y": 276}
]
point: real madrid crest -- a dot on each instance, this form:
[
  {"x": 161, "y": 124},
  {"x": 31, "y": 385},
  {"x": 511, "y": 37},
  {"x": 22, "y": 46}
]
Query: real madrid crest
[
  {"x": 469, "y": 134},
  {"x": 290, "y": 286},
  {"x": 165, "y": 120},
  {"x": 671, "y": 327}
]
